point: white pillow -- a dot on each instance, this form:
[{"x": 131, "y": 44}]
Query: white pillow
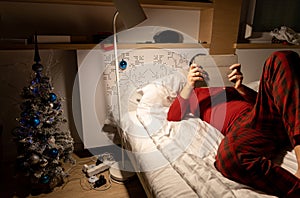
[
  {"x": 157, "y": 97},
  {"x": 163, "y": 89}
]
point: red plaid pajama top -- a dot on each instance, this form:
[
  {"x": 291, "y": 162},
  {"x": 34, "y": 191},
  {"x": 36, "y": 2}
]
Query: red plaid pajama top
[{"x": 254, "y": 133}]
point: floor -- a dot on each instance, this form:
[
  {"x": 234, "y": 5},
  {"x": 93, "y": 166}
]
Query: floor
[{"x": 75, "y": 186}]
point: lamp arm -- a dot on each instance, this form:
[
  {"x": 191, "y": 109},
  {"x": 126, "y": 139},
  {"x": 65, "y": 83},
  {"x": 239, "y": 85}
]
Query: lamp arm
[
  {"x": 117, "y": 65},
  {"x": 118, "y": 83}
]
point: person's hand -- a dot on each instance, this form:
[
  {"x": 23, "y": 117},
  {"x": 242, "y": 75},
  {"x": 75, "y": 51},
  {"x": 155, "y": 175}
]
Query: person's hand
[
  {"x": 236, "y": 76},
  {"x": 196, "y": 73}
]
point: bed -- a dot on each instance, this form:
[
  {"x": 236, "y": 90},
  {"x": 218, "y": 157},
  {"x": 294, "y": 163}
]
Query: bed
[
  {"x": 171, "y": 159},
  {"x": 175, "y": 159}
]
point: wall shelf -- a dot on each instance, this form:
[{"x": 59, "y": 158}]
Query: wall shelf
[
  {"x": 214, "y": 28},
  {"x": 264, "y": 46},
  {"x": 68, "y": 46},
  {"x": 165, "y": 4}
]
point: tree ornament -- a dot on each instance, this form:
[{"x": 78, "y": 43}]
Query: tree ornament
[
  {"x": 123, "y": 64},
  {"x": 53, "y": 153},
  {"x": 37, "y": 67},
  {"x": 35, "y": 122},
  {"x": 45, "y": 179},
  {"x": 34, "y": 159},
  {"x": 52, "y": 97}
]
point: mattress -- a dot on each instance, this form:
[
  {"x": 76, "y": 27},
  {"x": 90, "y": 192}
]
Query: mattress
[{"x": 176, "y": 159}]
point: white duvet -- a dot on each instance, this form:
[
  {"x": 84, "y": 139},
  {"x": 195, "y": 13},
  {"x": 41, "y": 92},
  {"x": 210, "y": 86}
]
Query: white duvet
[{"x": 177, "y": 158}]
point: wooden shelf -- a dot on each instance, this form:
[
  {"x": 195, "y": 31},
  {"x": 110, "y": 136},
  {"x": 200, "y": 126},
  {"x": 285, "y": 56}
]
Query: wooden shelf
[
  {"x": 162, "y": 45},
  {"x": 59, "y": 46},
  {"x": 176, "y": 4},
  {"x": 164, "y": 4},
  {"x": 68, "y": 46},
  {"x": 263, "y": 46},
  {"x": 218, "y": 24}
]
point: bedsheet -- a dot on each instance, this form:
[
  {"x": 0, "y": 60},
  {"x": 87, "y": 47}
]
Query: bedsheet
[{"x": 176, "y": 159}]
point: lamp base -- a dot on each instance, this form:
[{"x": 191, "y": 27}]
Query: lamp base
[{"x": 119, "y": 174}]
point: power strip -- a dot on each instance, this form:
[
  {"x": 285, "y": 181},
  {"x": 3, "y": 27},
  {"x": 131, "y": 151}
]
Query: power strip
[{"x": 96, "y": 169}]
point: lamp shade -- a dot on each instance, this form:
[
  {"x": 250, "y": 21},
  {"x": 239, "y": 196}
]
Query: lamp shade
[{"x": 130, "y": 11}]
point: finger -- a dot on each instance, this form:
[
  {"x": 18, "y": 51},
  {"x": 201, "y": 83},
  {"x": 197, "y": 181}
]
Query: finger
[
  {"x": 233, "y": 73},
  {"x": 198, "y": 78},
  {"x": 194, "y": 70},
  {"x": 237, "y": 83},
  {"x": 203, "y": 75},
  {"x": 235, "y": 78},
  {"x": 235, "y": 66},
  {"x": 195, "y": 77},
  {"x": 194, "y": 65},
  {"x": 232, "y": 79}
]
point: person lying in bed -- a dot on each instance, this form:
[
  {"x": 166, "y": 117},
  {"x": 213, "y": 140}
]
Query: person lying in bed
[{"x": 255, "y": 125}]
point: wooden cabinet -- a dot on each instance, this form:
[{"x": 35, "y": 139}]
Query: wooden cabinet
[{"x": 218, "y": 28}]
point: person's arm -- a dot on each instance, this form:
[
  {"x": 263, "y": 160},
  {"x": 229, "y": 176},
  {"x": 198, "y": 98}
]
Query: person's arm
[
  {"x": 236, "y": 76},
  {"x": 179, "y": 107}
]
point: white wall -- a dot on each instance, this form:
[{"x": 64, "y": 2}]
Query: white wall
[
  {"x": 252, "y": 61},
  {"x": 185, "y": 21},
  {"x": 22, "y": 20}
]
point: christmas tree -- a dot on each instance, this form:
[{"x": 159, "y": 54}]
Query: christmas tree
[{"x": 42, "y": 146}]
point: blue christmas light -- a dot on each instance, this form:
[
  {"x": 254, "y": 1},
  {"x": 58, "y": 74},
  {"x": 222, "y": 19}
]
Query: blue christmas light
[
  {"x": 22, "y": 121},
  {"x": 123, "y": 64},
  {"x": 33, "y": 82},
  {"x": 30, "y": 140},
  {"x": 35, "y": 90}
]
